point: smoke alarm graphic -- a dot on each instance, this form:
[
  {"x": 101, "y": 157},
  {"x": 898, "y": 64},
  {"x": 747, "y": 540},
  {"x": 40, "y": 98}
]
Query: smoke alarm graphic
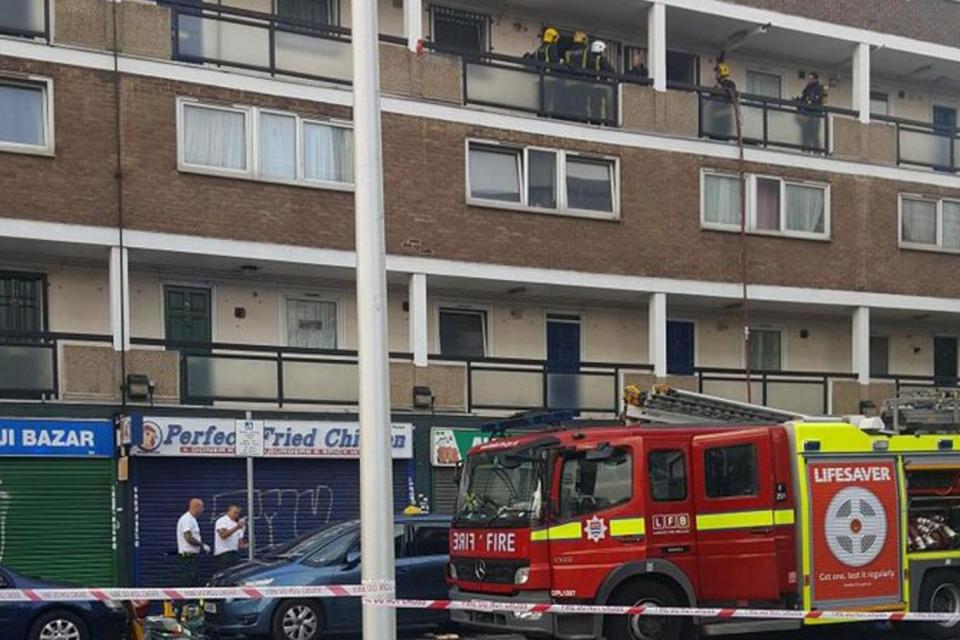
[{"x": 856, "y": 526}]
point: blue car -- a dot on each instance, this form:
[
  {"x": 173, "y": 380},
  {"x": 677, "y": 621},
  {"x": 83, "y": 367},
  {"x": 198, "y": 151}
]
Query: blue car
[
  {"x": 58, "y": 620},
  {"x": 332, "y": 556}
]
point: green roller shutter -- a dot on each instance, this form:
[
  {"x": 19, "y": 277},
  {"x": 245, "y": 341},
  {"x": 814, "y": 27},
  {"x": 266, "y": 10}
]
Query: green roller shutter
[{"x": 56, "y": 519}]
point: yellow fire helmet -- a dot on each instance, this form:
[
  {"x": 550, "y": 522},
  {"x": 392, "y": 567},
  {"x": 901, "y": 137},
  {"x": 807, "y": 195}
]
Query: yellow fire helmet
[
  {"x": 580, "y": 37},
  {"x": 550, "y": 35},
  {"x": 723, "y": 70}
]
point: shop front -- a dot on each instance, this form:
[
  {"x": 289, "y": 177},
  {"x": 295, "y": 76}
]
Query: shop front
[
  {"x": 448, "y": 448},
  {"x": 58, "y": 499},
  {"x": 307, "y": 476}
]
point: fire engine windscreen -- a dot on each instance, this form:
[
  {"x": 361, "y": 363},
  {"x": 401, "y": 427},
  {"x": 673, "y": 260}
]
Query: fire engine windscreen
[{"x": 502, "y": 488}]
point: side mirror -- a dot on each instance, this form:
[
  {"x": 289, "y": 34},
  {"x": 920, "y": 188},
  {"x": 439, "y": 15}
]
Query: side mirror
[{"x": 352, "y": 560}]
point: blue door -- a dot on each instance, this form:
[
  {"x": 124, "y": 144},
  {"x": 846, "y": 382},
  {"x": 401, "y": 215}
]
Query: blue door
[
  {"x": 680, "y": 348},
  {"x": 563, "y": 362}
]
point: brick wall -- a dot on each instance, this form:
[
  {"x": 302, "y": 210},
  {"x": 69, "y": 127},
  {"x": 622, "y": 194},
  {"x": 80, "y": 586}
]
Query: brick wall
[
  {"x": 930, "y": 20},
  {"x": 659, "y": 233}
]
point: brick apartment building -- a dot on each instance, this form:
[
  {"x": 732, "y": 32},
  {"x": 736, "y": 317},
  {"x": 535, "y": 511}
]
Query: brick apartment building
[{"x": 176, "y": 205}]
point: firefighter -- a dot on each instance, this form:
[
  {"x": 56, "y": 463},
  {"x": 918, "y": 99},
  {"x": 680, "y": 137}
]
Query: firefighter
[
  {"x": 723, "y": 118},
  {"x": 576, "y": 55},
  {"x": 812, "y": 98},
  {"x": 549, "y": 50}
]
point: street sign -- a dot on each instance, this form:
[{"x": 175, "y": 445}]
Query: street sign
[{"x": 250, "y": 438}]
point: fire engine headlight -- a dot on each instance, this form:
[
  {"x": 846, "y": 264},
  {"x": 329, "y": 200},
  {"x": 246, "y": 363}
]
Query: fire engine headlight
[
  {"x": 522, "y": 576},
  {"x": 452, "y": 570}
]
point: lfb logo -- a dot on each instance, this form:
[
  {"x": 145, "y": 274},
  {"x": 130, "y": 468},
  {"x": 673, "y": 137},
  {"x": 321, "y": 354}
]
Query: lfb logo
[
  {"x": 671, "y": 522},
  {"x": 856, "y": 526}
]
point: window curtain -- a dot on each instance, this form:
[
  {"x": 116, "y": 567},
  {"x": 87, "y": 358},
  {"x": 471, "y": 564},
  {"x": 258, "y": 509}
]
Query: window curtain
[
  {"x": 919, "y": 221},
  {"x": 951, "y": 225},
  {"x": 765, "y": 350},
  {"x": 589, "y": 185},
  {"x": 214, "y": 138},
  {"x": 543, "y": 179},
  {"x": 721, "y": 200},
  {"x": 311, "y": 324},
  {"x": 278, "y": 146},
  {"x": 768, "y": 204},
  {"x": 805, "y": 209},
  {"x": 21, "y": 114},
  {"x": 327, "y": 153},
  {"x": 462, "y": 333},
  {"x": 495, "y": 174},
  {"x": 763, "y": 84}
]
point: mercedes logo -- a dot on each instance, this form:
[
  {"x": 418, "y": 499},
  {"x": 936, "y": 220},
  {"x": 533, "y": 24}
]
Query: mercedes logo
[{"x": 480, "y": 570}]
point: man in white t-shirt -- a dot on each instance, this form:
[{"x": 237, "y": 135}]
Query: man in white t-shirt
[
  {"x": 229, "y": 539},
  {"x": 189, "y": 544}
]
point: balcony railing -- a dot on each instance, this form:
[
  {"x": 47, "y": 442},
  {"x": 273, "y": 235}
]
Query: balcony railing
[
  {"x": 551, "y": 91},
  {"x": 230, "y": 36},
  {"x": 27, "y": 18},
  {"x": 30, "y": 362},
  {"x": 908, "y": 383},
  {"x": 925, "y": 144},
  {"x": 522, "y": 384},
  {"x": 801, "y": 391},
  {"x": 768, "y": 122}
]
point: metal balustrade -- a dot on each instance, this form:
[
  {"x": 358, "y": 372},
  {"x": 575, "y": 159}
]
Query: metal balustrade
[
  {"x": 30, "y": 362},
  {"x": 801, "y": 391},
  {"x": 925, "y": 144}
]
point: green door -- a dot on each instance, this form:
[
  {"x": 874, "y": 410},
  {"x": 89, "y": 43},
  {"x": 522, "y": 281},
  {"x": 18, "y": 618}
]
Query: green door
[
  {"x": 57, "y": 519},
  {"x": 187, "y": 314}
]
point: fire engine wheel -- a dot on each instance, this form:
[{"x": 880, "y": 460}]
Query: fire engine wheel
[
  {"x": 644, "y": 627},
  {"x": 940, "y": 593}
]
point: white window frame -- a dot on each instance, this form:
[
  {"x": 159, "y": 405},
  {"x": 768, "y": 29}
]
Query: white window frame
[
  {"x": 252, "y": 144},
  {"x": 751, "y": 202},
  {"x": 49, "y": 143},
  {"x": 485, "y": 312},
  {"x": 561, "y": 157},
  {"x": 919, "y": 246},
  {"x": 311, "y": 296},
  {"x": 776, "y": 328}
]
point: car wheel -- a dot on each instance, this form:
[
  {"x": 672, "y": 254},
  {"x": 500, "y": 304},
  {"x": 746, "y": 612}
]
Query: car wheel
[
  {"x": 297, "y": 620},
  {"x": 620, "y": 627},
  {"x": 940, "y": 593},
  {"x": 59, "y": 625}
]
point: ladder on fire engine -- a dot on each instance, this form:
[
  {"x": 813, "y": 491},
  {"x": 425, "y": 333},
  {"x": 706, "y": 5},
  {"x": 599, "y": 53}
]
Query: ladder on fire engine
[
  {"x": 667, "y": 405},
  {"x": 923, "y": 411}
]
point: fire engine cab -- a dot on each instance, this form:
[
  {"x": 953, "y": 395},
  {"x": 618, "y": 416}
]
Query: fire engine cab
[{"x": 799, "y": 514}]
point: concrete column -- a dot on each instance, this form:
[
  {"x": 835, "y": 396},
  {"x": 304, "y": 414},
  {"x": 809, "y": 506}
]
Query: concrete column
[
  {"x": 657, "y": 45},
  {"x": 413, "y": 22},
  {"x": 657, "y": 319},
  {"x": 861, "y": 81},
  {"x": 418, "y": 319},
  {"x": 120, "y": 298},
  {"x": 861, "y": 344}
]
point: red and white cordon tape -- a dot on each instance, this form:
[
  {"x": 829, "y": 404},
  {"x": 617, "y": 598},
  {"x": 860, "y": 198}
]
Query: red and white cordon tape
[
  {"x": 526, "y": 609},
  {"x": 381, "y": 593},
  {"x": 384, "y": 590}
]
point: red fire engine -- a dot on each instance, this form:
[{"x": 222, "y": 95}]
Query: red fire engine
[{"x": 800, "y": 514}]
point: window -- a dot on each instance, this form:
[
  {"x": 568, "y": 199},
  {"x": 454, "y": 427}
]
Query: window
[
  {"x": 933, "y": 224},
  {"x": 763, "y": 84},
  {"x": 312, "y": 11},
  {"x": 431, "y": 541},
  {"x": 668, "y": 475},
  {"x": 774, "y": 205},
  {"x": 879, "y": 103},
  {"x": 544, "y": 180},
  {"x": 463, "y": 333},
  {"x": 261, "y": 144},
  {"x": 879, "y": 355},
  {"x": 683, "y": 68},
  {"x": 26, "y": 115},
  {"x": 21, "y": 302},
  {"x": 731, "y": 471},
  {"x": 587, "y": 486},
  {"x": 458, "y": 29},
  {"x": 765, "y": 353},
  {"x": 311, "y": 324}
]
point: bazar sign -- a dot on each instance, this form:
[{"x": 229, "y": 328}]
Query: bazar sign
[
  {"x": 281, "y": 438},
  {"x": 64, "y": 438},
  {"x": 449, "y": 447}
]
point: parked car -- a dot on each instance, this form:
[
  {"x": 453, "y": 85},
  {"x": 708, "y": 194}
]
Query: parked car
[
  {"x": 58, "y": 620},
  {"x": 332, "y": 556}
]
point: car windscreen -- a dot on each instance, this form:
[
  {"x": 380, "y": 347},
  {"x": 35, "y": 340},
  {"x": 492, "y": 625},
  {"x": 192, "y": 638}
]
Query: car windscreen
[{"x": 309, "y": 544}]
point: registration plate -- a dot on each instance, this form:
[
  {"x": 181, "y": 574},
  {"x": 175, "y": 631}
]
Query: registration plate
[{"x": 210, "y": 607}]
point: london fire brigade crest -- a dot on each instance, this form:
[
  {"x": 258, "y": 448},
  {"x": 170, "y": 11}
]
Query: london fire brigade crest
[
  {"x": 856, "y": 526},
  {"x": 595, "y": 528}
]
